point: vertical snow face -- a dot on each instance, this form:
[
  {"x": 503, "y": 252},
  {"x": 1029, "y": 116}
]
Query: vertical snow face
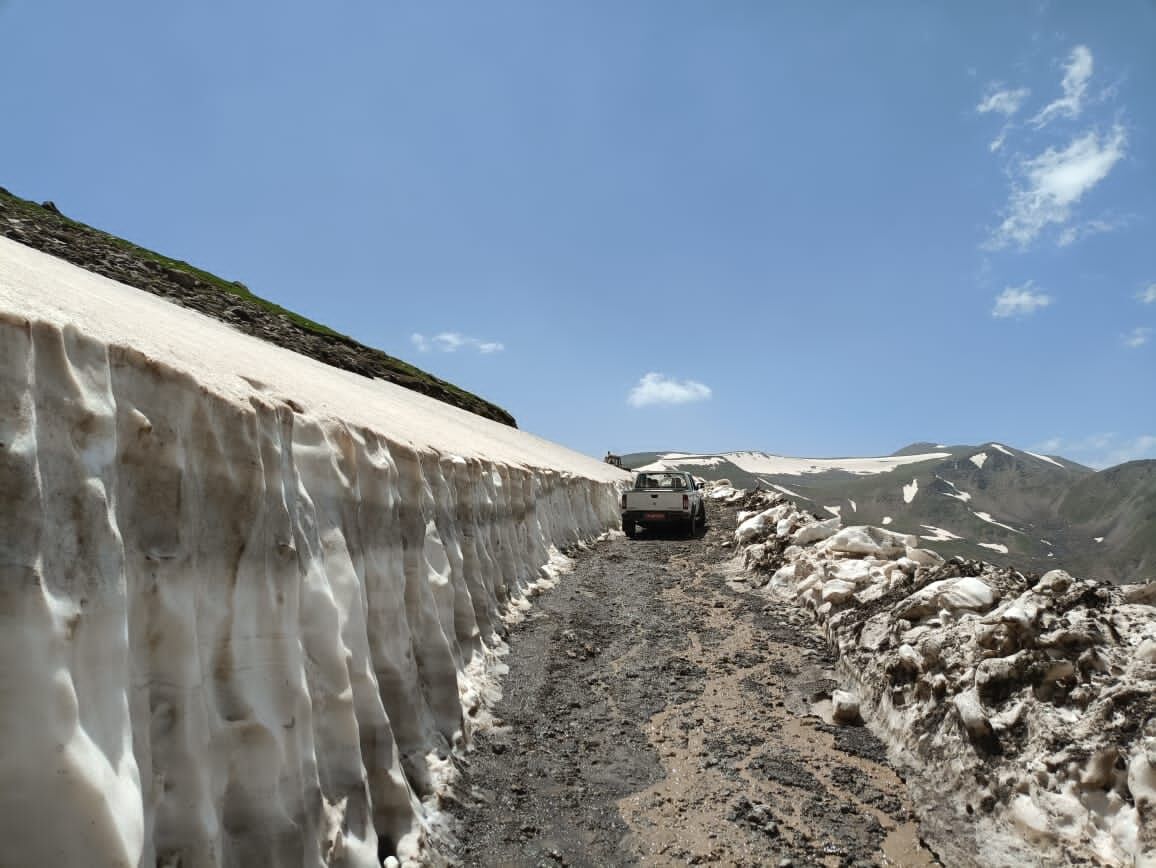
[{"x": 234, "y": 633}]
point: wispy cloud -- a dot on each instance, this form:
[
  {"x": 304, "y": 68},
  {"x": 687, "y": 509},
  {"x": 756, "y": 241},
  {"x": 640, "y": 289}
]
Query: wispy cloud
[
  {"x": 1077, "y": 73},
  {"x": 1099, "y": 226},
  {"x": 1137, "y": 337},
  {"x": 1002, "y": 100},
  {"x": 1148, "y": 296},
  {"x": 1100, "y": 450},
  {"x": 1143, "y": 446},
  {"x": 659, "y": 389},
  {"x": 451, "y": 342},
  {"x": 1049, "y": 186},
  {"x": 1019, "y": 301}
]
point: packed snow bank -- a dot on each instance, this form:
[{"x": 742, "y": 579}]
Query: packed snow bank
[
  {"x": 781, "y": 465},
  {"x": 1026, "y": 706},
  {"x": 248, "y": 603}
]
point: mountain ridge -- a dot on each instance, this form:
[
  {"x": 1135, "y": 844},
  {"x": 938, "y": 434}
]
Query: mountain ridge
[{"x": 989, "y": 501}]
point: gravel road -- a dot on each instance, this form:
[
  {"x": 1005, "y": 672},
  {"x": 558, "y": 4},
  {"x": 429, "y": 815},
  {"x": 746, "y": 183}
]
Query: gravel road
[{"x": 659, "y": 711}]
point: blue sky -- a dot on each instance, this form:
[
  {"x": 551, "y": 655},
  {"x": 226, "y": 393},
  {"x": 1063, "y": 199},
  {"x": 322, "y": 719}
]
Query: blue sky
[{"x": 814, "y": 229}]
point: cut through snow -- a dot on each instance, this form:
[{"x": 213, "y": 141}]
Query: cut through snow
[{"x": 260, "y": 600}]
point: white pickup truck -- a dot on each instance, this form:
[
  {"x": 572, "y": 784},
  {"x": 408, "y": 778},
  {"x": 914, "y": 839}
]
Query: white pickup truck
[{"x": 670, "y": 498}]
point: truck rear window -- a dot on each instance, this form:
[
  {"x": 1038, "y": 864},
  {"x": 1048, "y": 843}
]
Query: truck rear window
[{"x": 668, "y": 481}]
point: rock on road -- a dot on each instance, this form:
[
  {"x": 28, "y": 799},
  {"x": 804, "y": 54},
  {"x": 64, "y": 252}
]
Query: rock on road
[{"x": 659, "y": 711}]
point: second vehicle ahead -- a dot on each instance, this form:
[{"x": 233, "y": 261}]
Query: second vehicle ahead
[{"x": 663, "y": 498}]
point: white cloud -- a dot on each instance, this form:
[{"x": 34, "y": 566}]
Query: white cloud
[
  {"x": 1051, "y": 184},
  {"x": 451, "y": 342},
  {"x": 1100, "y": 450},
  {"x": 1019, "y": 301},
  {"x": 1148, "y": 296},
  {"x": 660, "y": 389},
  {"x": 1077, "y": 72},
  {"x": 1099, "y": 226},
  {"x": 1003, "y": 101},
  {"x": 1143, "y": 446},
  {"x": 1137, "y": 337}
]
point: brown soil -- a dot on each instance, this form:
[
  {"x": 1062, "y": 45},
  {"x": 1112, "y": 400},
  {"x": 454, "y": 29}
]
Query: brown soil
[{"x": 659, "y": 711}]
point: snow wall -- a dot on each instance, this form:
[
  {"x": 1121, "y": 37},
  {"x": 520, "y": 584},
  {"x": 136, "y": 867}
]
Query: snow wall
[{"x": 248, "y": 603}]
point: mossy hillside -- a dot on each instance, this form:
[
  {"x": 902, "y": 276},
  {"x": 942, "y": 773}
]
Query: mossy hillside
[{"x": 44, "y": 227}]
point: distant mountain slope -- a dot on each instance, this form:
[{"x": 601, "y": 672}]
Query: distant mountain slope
[
  {"x": 1117, "y": 505},
  {"x": 991, "y": 501},
  {"x": 44, "y": 228}
]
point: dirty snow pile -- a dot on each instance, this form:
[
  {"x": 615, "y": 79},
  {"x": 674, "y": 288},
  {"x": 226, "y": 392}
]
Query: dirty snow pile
[
  {"x": 251, "y": 604},
  {"x": 1027, "y": 705}
]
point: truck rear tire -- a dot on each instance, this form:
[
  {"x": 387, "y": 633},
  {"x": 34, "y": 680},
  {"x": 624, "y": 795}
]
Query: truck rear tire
[{"x": 629, "y": 528}]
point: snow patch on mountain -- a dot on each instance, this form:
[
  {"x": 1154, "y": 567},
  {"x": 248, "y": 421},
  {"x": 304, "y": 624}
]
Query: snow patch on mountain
[
  {"x": 938, "y": 534},
  {"x": 978, "y": 459},
  {"x": 986, "y": 516},
  {"x": 779, "y": 465},
  {"x": 1046, "y": 458},
  {"x": 910, "y": 490},
  {"x": 681, "y": 461},
  {"x": 955, "y": 492},
  {"x": 995, "y": 547},
  {"x": 784, "y": 489}
]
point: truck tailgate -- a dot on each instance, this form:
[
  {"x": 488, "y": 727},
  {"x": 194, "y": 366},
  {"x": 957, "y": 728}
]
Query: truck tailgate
[{"x": 654, "y": 501}]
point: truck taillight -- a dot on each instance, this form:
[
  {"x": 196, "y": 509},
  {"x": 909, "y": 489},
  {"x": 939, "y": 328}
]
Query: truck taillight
[{"x": 686, "y": 501}]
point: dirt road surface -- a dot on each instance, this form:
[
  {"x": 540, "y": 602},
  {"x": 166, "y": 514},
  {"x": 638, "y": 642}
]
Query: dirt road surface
[{"x": 659, "y": 711}]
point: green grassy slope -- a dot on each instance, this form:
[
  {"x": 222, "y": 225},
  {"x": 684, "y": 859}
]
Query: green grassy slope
[{"x": 44, "y": 228}]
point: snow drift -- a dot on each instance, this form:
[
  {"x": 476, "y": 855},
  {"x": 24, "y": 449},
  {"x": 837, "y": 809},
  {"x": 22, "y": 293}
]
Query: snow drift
[
  {"x": 1026, "y": 705},
  {"x": 248, "y": 603}
]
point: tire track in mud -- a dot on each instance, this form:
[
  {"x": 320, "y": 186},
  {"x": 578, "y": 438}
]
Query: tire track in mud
[{"x": 658, "y": 711}]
